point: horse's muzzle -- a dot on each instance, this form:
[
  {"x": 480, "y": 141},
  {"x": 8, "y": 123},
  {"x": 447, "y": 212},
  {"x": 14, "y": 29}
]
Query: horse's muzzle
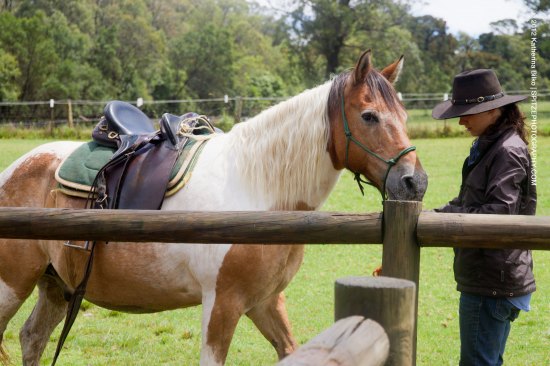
[{"x": 406, "y": 185}]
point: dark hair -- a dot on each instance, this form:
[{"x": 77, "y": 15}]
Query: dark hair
[{"x": 511, "y": 117}]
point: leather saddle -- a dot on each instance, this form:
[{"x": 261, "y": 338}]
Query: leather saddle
[{"x": 138, "y": 173}]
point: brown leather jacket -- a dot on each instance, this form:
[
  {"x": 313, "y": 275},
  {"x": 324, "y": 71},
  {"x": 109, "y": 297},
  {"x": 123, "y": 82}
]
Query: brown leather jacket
[{"x": 497, "y": 182}]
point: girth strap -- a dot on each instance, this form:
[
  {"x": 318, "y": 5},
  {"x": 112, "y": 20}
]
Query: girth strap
[{"x": 74, "y": 304}]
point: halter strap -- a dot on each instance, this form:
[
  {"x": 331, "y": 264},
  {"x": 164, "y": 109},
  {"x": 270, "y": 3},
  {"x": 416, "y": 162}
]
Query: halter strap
[{"x": 390, "y": 162}]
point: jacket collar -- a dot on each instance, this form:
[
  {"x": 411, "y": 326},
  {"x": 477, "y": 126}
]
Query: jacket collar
[
  {"x": 484, "y": 144},
  {"x": 485, "y": 141}
]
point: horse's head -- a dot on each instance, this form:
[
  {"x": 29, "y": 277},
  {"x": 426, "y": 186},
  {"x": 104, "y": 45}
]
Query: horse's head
[{"x": 368, "y": 131}]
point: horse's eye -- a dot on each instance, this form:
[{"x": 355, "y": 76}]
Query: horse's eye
[{"x": 369, "y": 117}]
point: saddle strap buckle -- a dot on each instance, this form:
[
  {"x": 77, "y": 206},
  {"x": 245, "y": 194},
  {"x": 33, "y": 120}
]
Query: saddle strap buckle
[{"x": 85, "y": 247}]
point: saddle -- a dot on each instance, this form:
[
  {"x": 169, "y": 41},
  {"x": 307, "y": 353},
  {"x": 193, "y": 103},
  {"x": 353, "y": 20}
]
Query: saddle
[{"x": 138, "y": 173}]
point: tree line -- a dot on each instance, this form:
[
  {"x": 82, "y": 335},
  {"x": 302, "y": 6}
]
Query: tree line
[{"x": 181, "y": 49}]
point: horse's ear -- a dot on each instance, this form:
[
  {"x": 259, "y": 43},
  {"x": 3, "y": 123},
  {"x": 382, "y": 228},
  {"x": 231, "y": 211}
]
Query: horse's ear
[
  {"x": 362, "y": 68},
  {"x": 391, "y": 72}
]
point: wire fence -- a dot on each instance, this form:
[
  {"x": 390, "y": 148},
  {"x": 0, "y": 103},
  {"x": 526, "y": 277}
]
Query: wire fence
[{"x": 87, "y": 112}]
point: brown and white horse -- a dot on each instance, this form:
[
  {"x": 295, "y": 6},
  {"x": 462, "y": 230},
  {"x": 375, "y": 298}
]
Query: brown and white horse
[{"x": 289, "y": 157}]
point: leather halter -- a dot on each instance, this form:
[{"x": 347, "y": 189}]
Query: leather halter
[{"x": 390, "y": 162}]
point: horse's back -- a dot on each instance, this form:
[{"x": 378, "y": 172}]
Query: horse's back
[
  {"x": 216, "y": 182},
  {"x": 28, "y": 181}
]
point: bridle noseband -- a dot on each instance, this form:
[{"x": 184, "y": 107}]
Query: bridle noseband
[{"x": 390, "y": 162}]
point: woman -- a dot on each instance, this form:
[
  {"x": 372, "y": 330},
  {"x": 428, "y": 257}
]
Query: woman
[{"x": 495, "y": 284}]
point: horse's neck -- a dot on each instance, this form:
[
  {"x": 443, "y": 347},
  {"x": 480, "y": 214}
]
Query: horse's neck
[{"x": 282, "y": 153}]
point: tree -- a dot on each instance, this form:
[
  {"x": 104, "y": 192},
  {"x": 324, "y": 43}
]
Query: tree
[
  {"x": 206, "y": 57},
  {"x": 437, "y": 52},
  {"x": 326, "y": 29},
  {"x": 27, "y": 40},
  {"x": 334, "y": 30},
  {"x": 128, "y": 49},
  {"x": 9, "y": 73},
  {"x": 505, "y": 26},
  {"x": 538, "y": 5}
]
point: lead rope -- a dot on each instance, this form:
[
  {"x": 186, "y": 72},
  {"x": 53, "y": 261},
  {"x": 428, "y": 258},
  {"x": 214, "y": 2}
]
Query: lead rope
[
  {"x": 390, "y": 162},
  {"x": 74, "y": 304}
]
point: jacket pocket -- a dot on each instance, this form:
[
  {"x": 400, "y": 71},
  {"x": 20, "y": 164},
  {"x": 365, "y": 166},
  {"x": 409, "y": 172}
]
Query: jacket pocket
[{"x": 517, "y": 267}]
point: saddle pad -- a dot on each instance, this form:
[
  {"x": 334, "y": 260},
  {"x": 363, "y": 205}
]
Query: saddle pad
[{"x": 77, "y": 172}]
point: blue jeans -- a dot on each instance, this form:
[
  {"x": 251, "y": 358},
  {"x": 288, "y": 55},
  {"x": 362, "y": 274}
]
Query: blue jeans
[{"x": 484, "y": 328}]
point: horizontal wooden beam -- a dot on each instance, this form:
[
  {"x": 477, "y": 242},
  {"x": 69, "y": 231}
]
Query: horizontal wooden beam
[
  {"x": 483, "y": 231},
  {"x": 271, "y": 227}
]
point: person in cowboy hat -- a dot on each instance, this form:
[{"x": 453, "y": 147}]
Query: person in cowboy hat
[{"x": 494, "y": 284}]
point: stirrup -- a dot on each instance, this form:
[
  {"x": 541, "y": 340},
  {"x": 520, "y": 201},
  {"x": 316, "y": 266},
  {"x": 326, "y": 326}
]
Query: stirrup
[{"x": 85, "y": 247}]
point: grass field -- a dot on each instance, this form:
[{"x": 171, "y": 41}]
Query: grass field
[
  {"x": 422, "y": 125},
  {"x": 103, "y": 337}
]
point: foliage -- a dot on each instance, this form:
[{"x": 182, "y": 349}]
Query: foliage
[{"x": 180, "y": 49}]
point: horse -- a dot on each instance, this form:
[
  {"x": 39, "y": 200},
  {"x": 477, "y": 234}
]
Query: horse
[{"x": 288, "y": 157}]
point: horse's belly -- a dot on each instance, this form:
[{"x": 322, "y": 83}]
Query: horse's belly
[{"x": 133, "y": 277}]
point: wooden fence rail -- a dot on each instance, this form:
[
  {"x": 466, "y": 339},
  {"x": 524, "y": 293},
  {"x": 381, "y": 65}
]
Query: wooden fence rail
[
  {"x": 403, "y": 230},
  {"x": 271, "y": 227},
  {"x": 483, "y": 231}
]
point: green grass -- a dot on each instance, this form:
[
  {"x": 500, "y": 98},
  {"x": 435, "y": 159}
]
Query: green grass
[
  {"x": 63, "y": 132},
  {"x": 420, "y": 123},
  {"x": 103, "y": 337}
]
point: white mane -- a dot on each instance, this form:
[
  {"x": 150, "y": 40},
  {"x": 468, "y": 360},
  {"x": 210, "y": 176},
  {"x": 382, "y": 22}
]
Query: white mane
[{"x": 282, "y": 152}]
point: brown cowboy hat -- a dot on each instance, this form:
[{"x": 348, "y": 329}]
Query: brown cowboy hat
[{"x": 474, "y": 91}]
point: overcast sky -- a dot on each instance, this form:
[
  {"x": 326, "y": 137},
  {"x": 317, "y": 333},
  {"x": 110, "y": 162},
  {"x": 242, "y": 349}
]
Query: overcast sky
[{"x": 472, "y": 16}]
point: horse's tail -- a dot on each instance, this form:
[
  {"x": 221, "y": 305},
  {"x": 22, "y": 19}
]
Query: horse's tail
[{"x": 4, "y": 357}]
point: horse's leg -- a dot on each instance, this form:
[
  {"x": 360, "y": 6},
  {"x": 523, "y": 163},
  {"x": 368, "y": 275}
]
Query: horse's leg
[
  {"x": 9, "y": 304},
  {"x": 221, "y": 313},
  {"x": 22, "y": 263},
  {"x": 250, "y": 277},
  {"x": 46, "y": 315},
  {"x": 271, "y": 318}
]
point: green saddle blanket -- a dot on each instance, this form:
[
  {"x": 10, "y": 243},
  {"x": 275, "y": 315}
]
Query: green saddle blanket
[{"x": 77, "y": 172}]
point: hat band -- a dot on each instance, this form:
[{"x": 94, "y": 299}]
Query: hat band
[{"x": 487, "y": 98}]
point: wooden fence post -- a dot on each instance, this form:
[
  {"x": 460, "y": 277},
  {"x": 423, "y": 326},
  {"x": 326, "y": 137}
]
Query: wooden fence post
[
  {"x": 238, "y": 109},
  {"x": 388, "y": 301},
  {"x": 353, "y": 341},
  {"x": 401, "y": 252},
  {"x": 70, "y": 113}
]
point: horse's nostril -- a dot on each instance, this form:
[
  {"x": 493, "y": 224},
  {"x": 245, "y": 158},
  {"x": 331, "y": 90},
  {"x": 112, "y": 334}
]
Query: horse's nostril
[{"x": 408, "y": 182}]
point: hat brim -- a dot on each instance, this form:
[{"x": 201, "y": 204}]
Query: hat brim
[{"x": 447, "y": 109}]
